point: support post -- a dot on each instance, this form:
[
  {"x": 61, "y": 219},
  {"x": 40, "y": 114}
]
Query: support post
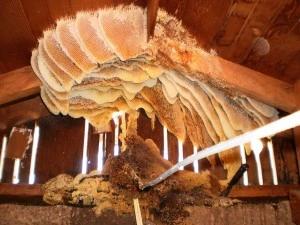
[{"x": 152, "y": 7}]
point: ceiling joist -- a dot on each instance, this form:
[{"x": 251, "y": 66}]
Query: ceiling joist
[
  {"x": 259, "y": 86},
  {"x": 23, "y": 82},
  {"x": 22, "y": 112},
  {"x": 18, "y": 84}
]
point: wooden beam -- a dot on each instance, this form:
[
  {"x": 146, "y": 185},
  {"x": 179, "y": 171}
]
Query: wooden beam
[
  {"x": 231, "y": 76},
  {"x": 22, "y": 82},
  {"x": 22, "y": 112},
  {"x": 18, "y": 84},
  {"x": 20, "y": 190},
  {"x": 253, "y": 83},
  {"x": 265, "y": 191},
  {"x": 152, "y": 7}
]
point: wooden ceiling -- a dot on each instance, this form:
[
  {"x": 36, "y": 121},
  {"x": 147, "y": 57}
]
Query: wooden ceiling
[{"x": 228, "y": 28}]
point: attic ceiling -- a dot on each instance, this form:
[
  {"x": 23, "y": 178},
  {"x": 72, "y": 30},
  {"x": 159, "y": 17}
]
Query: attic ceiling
[{"x": 230, "y": 28}]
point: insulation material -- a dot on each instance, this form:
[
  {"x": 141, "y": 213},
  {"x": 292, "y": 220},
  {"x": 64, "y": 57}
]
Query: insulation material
[{"x": 100, "y": 62}]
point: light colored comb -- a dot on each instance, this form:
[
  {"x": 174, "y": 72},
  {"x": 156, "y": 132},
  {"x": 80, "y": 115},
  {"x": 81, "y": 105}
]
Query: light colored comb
[
  {"x": 124, "y": 30},
  {"x": 66, "y": 36},
  {"x": 90, "y": 38},
  {"x": 56, "y": 53}
]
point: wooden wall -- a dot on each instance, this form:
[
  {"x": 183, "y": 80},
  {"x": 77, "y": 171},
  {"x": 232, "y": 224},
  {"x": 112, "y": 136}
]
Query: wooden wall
[{"x": 61, "y": 142}]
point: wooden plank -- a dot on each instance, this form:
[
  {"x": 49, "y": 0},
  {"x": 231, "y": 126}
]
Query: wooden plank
[
  {"x": 297, "y": 129},
  {"x": 270, "y": 191},
  {"x": 202, "y": 19},
  {"x": 244, "y": 80},
  {"x": 22, "y": 112},
  {"x": 18, "y": 84},
  {"x": 265, "y": 191},
  {"x": 26, "y": 161},
  {"x": 152, "y": 7},
  {"x": 59, "y": 8},
  {"x": 20, "y": 190},
  {"x": 89, "y": 5},
  {"x": 38, "y": 16},
  {"x": 60, "y": 147},
  {"x": 92, "y": 150},
  {"x": 145, "y": 130},
  {"x": 251, "y": 83},
  {"x": 20, "y": 140},
  {"x": 285, "y": 159},
  {"x": 16, "y": 37},
  {"x": 295, "y": 205},
  {"x": 297, "y": 146}
]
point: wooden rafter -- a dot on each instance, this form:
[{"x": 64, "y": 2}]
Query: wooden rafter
[
  {"x": 18, "y": 84},
  {"x": 246, "y": 81},
  {"x": 22, "y": 112},
  {"x": 22, "y": 82}
]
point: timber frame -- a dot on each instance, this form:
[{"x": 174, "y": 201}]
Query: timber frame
[
  {"x": 23, "y": 82},
  {"x": 24, "y": 191}
]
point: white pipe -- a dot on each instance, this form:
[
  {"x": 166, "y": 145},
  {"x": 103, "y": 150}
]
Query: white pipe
[
  {"x": 288, "y": 122},
  {"x": 257, "y": 147},
  {"x": 166, "y": 149},
  {"x": 36, "y": 135},
  {"x": 195, "y": 163},
  {"x": 16, "y": 171},
  {"x": 85, "y": 145},
  {"x": 180, "y": 153},
  {"x": 272, "y": 162},
  {"x": 243, "y": 159},
  {"x": 100, "y": 153},
  {"x": 3, "y": 154}
]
